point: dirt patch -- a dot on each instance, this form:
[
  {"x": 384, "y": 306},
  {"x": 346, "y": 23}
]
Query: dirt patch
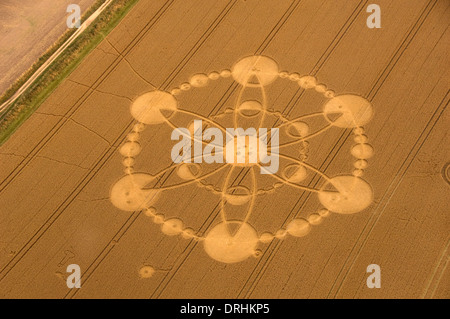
[{"x": 27, "y": 29}]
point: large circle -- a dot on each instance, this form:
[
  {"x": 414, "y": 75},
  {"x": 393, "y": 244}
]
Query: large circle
[
  {"x": 255, "y": 71},
  {"x": 148, "y": 107},
  {"x": 225, "y": 247},
  {"x": 128, "y": 193},
  {"x": 350, "y": 195},
  {"x": 353, "y": 111}
]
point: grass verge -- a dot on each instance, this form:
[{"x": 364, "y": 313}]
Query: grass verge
[{"x": 45, "y": 84}]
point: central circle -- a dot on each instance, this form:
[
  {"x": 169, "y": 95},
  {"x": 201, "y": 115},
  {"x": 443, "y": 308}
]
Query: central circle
[{"x": 245, "y": 150}]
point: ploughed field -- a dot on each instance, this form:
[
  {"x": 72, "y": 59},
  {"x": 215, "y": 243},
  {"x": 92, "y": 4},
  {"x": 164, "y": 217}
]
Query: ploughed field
[{"x": 27, "y": 29}]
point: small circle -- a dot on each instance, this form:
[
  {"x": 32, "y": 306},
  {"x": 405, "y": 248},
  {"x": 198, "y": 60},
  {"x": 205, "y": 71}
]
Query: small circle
[
  {"x": 225, "y": 247},
  {"x": 297, "y": 129},
  {"x": 266, "y": 237},
  {"x": 280, "y": 234},
  {"x": 185, "y": 87},
  {"x": 176, "y": 91},
  {"x": 307, "y": 82},
  {"x": 158, "y": 219},
  {"x": 139, "y": 127},
  {"x": 199, "y": 80},
  {"x": 352, "y": 111},
  {"x": 360, "y": 164},
  {"x": 237, "y": 195},
  {"x": 294, "y": 76},
  {"x": 188, "y": 233},
  {"x": 362, "y": 151},
  {"x": 294, "y": 173},
  {"x": 350, "y": 195},
  {"x": 148, "y": 107},
  {"x": 298, "y": 227},
  {"x": 324, "y": 212},
  {"x": 188, "y": 171},
  {"x": 133, "y": 136},
  {"x": 151, "y": 211},
  {"x": 250, "y": 108},
  {"x": 214, "y": 75},
  {"x": 329, "y": 94},
  {"x": 146, "y": 271},
  {"x": 225, "y": 73},
  {"x": 255, "y": 71},
  {"x": 315, "y": 219},
  {"x": 128, "y": 161},
  {"x": 321, "y": 88},
  {"x": 358, "y": 172},
  {"x": 172, "y": 227},
  {"x": 361, "y": 139},
  {"x": 130, "y": 149}
]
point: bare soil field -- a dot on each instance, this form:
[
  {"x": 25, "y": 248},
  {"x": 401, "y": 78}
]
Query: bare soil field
[
  {"x": 27, "y": 29},
  {"x": 88, "y": 179}
]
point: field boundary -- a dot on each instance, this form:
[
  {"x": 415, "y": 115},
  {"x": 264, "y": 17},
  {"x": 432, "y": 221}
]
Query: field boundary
[{"x": 94, "y": 29}]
